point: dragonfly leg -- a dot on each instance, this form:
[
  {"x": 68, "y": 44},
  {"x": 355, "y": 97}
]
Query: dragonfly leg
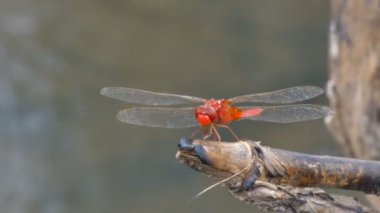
[
  {"x": 211, "y": 131},
  {"x": 207, "y": 133},
  {"x": 215, "y": 131},
  {"x": 230, "y": 130}
]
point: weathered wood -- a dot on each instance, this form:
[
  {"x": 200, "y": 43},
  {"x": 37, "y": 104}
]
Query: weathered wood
[
  {"x": 354, "y": 85},
  {"x": 271, "y": 179}
]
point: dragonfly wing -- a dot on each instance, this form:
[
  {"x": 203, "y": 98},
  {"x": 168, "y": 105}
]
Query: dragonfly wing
[
  {"x": 146, "y": 97},
  {"x": 159, "y": 117},
  {"x": 284, "y": 96},
  {"x": 288, "y": 114}
]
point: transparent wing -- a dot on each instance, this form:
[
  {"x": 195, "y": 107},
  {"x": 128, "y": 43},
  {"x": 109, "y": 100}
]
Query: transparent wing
[
  {"x": 159, "y": 117},
  {"x": 289, "y": 113},
  {"x": 146, "y": 97},
  {"x": 284, "y": 96}
]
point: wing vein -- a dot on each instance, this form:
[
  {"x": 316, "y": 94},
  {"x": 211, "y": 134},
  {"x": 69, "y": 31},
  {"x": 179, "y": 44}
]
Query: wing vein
[
  {"x": 284, "y": 96},
  {"x": 289, "y": 113},
  {"x": 159, "y": 117},
  {"x": 147, "y": 97}
]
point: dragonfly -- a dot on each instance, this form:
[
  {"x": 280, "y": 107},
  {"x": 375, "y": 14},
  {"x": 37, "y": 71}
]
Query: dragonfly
[{"x": 212, "y": 113}]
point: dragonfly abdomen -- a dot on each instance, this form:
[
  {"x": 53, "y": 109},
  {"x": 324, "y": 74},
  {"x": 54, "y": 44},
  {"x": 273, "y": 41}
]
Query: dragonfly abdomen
[{"x": 251, "y": 112}]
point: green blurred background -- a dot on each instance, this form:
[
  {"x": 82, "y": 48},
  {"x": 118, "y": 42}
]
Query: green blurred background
[{"x": 61, "y": 148}]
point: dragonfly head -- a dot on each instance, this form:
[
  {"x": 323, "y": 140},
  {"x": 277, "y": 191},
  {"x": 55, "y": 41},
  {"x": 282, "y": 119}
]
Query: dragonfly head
[{"x": 206, "y": 115}]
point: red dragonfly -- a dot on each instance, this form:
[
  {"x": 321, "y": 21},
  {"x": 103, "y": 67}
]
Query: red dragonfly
[{"x": 212, "y": 113}]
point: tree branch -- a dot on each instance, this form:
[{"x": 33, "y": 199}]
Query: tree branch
[{"x": 273, "y": 179}]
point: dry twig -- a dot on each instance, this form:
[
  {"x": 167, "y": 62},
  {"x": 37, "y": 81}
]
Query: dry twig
[{"x": 277, "y": 180}]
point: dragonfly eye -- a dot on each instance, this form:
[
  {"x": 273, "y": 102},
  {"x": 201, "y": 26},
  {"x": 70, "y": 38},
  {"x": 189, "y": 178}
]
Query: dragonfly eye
[
  {"x": 206, "y": 115},
  {"x": 203, "y": 119}
]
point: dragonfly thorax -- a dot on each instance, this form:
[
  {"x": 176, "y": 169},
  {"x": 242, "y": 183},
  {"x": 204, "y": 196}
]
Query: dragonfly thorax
[{"x": 213, "y": 111}]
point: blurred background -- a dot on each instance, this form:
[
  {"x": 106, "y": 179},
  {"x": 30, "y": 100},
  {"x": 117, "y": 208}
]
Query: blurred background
[{"x": 61, "y": 148}]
